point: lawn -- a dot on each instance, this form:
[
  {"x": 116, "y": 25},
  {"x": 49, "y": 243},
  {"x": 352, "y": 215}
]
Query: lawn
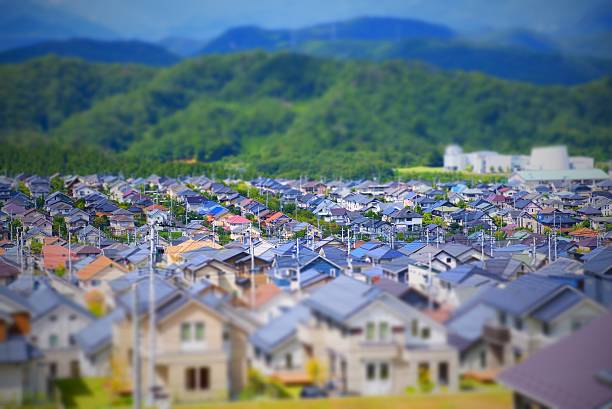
[
  {"x": 428, "y": 172},
  {"x": 91, "y": 393},
  {"x": 494, "y": 399}
]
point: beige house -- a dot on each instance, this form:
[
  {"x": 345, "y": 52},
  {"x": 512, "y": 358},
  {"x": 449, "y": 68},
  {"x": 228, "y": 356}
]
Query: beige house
[
  {"x": 200, "y": 351},
  {"x": 367, "y": 341}
]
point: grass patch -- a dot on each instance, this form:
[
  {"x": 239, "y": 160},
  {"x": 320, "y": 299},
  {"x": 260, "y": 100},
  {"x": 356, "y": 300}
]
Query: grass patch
[
  {"x": 437, "y": 173},
  {"x": 494, "y": 399},
  {"x": 88, "y": 393}
]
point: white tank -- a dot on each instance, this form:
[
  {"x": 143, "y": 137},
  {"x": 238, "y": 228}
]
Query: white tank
[
  {"x": 549, "y": 158},
  {"x": 454, "y": 158}
]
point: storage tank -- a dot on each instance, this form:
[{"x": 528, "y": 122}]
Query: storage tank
[{"x": 549, "y": 158}]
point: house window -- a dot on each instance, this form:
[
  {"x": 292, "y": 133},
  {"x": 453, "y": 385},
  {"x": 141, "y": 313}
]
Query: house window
[
  {"x": 190, "y": 379},
  {"x": 73, "y": 317},
  {"x": 415, "y": 328},
  {"x": 199, "y": 331},
  {"x": 53, "y": 341},
  {"x": 443, "y": 373},
  {"x": 71, "y": 340},
  {"x": 370, "y": 329},
  {"x": 502, "y": 317},
  {"x": 289, "y": 361},
  {"x": 384, "y": 371},
  {"x": 383, "y": 331},
  {"x": 483, "y": 359},
  {"x": 204, "y": 378},
  {"x": 53, "y": 318},
  {"x": 185, "y": 332},
  {"x": 425, "y": 333},
  {"x": 545, "y": 328},
  {"x": 370, "y": 371},
  {"x": 518, "y": 323}
]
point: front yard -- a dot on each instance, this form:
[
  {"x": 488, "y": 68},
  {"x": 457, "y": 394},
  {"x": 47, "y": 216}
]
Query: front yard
[{"x": 90, "y": 393}]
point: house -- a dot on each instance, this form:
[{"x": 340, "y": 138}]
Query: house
[
  {"x": 20, "y": 376},
  {"x": 372, "y": 343},
  {"x": 572, "y": 373},
  {"x": 404, "y": 219},
  {"x": 99, "y": 272},
  {"x": 8, "y": 272},
  {"x": 533, "y": 312},
  {"x": 56, "y": 319},
  {"x": 200, "y": 351},
  {"x": 122, "y": 222}
]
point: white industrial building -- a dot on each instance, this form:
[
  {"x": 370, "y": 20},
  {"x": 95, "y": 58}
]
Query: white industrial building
[{"x": 542, "y": 158}]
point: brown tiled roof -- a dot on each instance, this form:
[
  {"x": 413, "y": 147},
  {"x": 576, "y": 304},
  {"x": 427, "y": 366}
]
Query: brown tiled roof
[
  {"x": 89, "y": 271},
  {"x": 55, "y": 256}
]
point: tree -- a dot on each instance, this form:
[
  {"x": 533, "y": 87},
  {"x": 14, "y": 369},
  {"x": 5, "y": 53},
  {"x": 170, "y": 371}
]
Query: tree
[
  {"x": 57, "y": 184},
  {"x": 59, "y": 226},
  {"x": 316, "y": 371}
]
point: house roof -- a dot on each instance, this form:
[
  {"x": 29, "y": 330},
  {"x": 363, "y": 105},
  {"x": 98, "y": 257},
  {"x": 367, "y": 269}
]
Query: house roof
[
  {"x": 55, "y": 256},
  {"x": 341, "y": 298},
  {"x": 100, "y": 263},
  {"x": 265, "y": 293},
  {"x": 279, "y": 329},
  {"x": 522, "y": 294},
  {"x": 18, "y": 350},
  {"x": 45, "y": 299},
  {"x": 566, "y": 374},
  {"x": 569, "y": 174}
]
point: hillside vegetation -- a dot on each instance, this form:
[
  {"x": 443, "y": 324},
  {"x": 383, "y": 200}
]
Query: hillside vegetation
[{"x": 283, "y": 114}]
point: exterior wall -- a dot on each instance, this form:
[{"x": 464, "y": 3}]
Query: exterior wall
[
  {"x": 63, "y": 355},
  {"x": 11, "y": 383},
  {"x": 96, "y": 365}
]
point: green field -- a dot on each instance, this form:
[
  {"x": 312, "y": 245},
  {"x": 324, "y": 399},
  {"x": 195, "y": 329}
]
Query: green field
[{"x": 438, "y": 173}]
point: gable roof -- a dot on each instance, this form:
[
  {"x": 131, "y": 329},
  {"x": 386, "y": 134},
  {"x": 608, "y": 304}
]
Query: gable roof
[
  {"x": 523, "y": 294},
  {"x": 279, "y": 329},
  {"x": 100, "y": 263},
  {"x": 565, "y": 374}
]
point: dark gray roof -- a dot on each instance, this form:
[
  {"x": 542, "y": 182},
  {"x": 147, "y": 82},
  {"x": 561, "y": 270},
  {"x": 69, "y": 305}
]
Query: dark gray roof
[
  {"x": 563, "y": 375},
  {"x": 522, "y": 294},
  {"x": 559, "y": 304},
  {"x": 601, "y": 263}
]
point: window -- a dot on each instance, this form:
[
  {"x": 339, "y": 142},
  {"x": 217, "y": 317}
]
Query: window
[
  {"x": 289, "y": 361},
  {"x": 415, "y": 328},
  {"x": 518, "y": 323},
  {"x": 545, "y": 328},
  {"x": 53, "y": 318},
  {"x": 53, "y": 341},
  {"x": 204, "y": 378},
  {"x": 502, "y": 317},
  {"x": 199, "y": 331},
  {"x": 425, "y": 333},
  {"x": 483, "y": 359},
  {"x": 383, "y": 331},
  {"x": 71, "y": 340},
  {"x": 73, "y": 317},
  {"x": 384, "y": 371},
  {"x": 443, "y": 373},
  {"x": 190, "y": 379},
  {"x": 370, "y": 371},
  {"x": 370, "y": 329},
  {"x": 185, "y": 332}
]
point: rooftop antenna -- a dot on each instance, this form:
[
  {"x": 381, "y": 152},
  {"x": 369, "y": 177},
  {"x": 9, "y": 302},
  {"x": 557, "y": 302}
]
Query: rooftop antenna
[{"x": 151, "y": 316}]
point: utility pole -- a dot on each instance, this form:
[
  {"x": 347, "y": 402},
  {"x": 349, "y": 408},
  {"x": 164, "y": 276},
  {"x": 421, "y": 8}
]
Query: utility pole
[
  {"x": 297, "y": 251},
  {"x": 70, "y": 256},
  {"x": 429, "y": 280},
  {"x": 136, "y": 404},
  {"x": 251, "y": 251},
  {"x": 151, "y": 317}
]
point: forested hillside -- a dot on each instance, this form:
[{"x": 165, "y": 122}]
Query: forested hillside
[{"x": 282, "y": 114}]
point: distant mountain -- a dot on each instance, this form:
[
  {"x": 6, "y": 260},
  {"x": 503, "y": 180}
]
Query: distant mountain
[
  {"x": 138, "y": 52},
  {"x": 27, "y": 22},
  {"x": 183, "y": 46},
  {"x": 280, "y": 114},
  {"x": 513, "y": 54},
  {"x": 363, "y": 28}
]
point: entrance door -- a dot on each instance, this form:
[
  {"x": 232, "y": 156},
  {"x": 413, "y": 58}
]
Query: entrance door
[{"x": 377, "y": 378}]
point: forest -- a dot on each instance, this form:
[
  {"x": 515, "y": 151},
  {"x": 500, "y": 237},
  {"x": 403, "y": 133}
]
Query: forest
[{"x": 280, "y": 114}]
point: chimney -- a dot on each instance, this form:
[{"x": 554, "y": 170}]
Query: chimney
[
  {"x": 22, "y": 323},
  {"x": 3, "y": 331}
]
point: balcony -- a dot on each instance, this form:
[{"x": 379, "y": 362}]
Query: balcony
[{"x": 497, "y": 335}]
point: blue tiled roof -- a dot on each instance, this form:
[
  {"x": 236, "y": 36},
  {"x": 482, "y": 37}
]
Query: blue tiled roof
[
  {"x": 17, "y": 350},
  {"x": 522, "y": 294},
  {"x": 341, "y": 298},
  {"x": 279, "y": 329},
  {"x": 46, "y": 299},
  {"x": 559, "y": 304},
  {"x": 98, "y": 334}
]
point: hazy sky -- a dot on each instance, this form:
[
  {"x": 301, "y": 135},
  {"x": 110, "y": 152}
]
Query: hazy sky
[{"x": 204, "y": 18}]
